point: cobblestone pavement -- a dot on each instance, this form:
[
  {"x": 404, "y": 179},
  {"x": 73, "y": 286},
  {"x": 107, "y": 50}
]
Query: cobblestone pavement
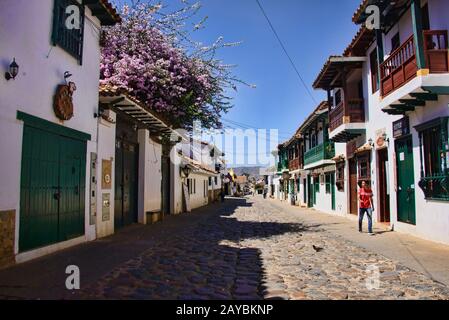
[{"x": 252, "y": 250}]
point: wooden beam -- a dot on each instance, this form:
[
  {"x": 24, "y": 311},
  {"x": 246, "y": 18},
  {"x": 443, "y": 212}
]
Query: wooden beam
[
  {"x": 437, "y": 90},
  {"x": 402, "y": 107},
  {"x": 424, "y": 96},
  {"x": 413, "y": 102}
]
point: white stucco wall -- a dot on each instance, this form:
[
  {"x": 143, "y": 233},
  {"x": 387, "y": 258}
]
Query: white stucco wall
[
  {"x": 432, "y": 217},
  {"x": 105, "y": 151},
  {"x": 432, "y": 220},
  {"x": 25, "y": 33},
  {"x": 150, "y": 176},
  {"x": 199, "y": 198}
]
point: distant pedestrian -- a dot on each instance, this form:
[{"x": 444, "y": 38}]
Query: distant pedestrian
[{"x": 366, "y": 206}]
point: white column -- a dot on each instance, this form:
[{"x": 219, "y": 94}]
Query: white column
[
  {"x": 144, "y": 175},
  {"x": 105, "y": 151}
]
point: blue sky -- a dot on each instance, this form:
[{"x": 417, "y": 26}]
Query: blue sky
[{"x": 310, "y": 30}]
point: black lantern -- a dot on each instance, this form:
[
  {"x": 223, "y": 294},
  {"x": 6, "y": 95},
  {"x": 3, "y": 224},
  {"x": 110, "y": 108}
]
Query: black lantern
[
  {"x": 13, "y": 70},
  {"x": 186, "y": 170}
]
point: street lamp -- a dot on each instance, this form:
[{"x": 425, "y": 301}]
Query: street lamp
[{"x": 186, "y": 170}]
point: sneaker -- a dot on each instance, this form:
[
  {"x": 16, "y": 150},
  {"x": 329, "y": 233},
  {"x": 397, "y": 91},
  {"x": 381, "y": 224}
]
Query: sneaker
[{"x": 372, "y": 234}]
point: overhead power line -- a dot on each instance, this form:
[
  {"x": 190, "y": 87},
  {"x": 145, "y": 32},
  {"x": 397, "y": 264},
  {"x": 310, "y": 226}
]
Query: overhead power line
[
  {"x": 286, "y": 52},
  {"x": 247, "y": 126}
]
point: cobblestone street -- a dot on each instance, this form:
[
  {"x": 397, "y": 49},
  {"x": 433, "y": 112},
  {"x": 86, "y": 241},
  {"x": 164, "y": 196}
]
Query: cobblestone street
[{"x": 251, "y": 249}]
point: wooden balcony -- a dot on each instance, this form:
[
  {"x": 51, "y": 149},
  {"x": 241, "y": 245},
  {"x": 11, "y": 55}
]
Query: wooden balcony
[
  {"x": 401, "y": 66},
  {"x": 336, "y": 117},
  {"x": 324, "y": 151},
  {"x": 355, "y": 113},
  {"x": 295, "y": 164},
  {"x": 282, "y": 165},
  {"x": 436, "y": 51}
]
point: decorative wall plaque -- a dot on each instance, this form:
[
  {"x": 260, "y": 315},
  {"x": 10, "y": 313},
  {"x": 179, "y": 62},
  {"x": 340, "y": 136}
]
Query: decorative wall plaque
[
  {"x": 63, "y": 101},
  {"x": 106, "y": 175}
]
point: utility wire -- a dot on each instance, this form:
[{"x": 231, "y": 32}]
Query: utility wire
[
  {"x": 286, "y": 52},
  {"x": 247, "y": 126}
]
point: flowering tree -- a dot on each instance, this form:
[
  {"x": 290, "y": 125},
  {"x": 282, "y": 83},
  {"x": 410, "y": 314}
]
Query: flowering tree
[{"x": 151, "y": 55}]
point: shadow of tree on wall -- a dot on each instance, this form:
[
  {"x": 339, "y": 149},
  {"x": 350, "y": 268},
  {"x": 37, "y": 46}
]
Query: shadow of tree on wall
[{"x": 204, "y": 261}]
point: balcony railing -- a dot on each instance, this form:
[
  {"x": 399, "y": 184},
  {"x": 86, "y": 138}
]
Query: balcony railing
[
  {"x": 282, "y": 165},
  {"x": 355, "y": 113},
  {"x": 336, "y": 116},
  {"x": 436, "y": 50},
  {"x": 324, "y": 151},
  {"x": 294, "y": 164},
  {"x": 401, "y": 66}
]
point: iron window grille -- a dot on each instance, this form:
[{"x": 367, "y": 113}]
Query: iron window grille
[
  {"x": 434, "y": 156},
  {"x": 70, "y": 40}
]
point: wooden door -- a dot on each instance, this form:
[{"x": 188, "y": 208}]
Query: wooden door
[
  {"x": 332, "y": 182},
  {"x": 405, "y": 181},
  {"x": 52, "y": 195},
  {"x": 353, "y": 187},
  {"x": 126, "y": 183},
  {"x": 384, "y": 192},
  {"x": 310, "y": 191}
]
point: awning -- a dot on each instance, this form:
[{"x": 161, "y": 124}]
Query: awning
[
  {"x": 104, "y": 11},
  {"x": 417, "y": 99},
  {"x": 120, "y": 101},
  {"x": 197, "y": 166},
  {"x": 329, "y": 76}
]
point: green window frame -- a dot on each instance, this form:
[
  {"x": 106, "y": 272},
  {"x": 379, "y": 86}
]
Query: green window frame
[
  {"x": 434, "y": 156},
  {"x": 72, "y": 40}
]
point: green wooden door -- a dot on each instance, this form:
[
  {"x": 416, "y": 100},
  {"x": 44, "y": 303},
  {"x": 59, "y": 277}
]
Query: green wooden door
[
  {"x": 316, "y": 188},
  {"x": 332, "y": 175},
  {"x": 72, "y": 176},
  {"x": 406, "y": 181},
  {"x": 304, "y": 190},
  {"x": 310, "y": 191},
  {"x": 52, "y": 189},
  {"x": 126, "y": 183}
]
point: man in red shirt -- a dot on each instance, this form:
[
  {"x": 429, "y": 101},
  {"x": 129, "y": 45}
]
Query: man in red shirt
[{"x": 366, "y": 206}]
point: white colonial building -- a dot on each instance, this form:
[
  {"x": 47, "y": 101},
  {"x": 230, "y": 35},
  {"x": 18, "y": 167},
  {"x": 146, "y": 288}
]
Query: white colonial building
[
  {"x": 47, "y": 128},
  {"x": 388, "y": 97}
]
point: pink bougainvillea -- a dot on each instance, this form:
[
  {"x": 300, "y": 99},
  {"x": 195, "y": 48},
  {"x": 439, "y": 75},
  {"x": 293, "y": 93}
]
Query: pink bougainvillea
[{"x": 156, "y": 69}]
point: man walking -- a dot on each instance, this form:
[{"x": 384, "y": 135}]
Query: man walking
[{"x": 366, "y": 206}]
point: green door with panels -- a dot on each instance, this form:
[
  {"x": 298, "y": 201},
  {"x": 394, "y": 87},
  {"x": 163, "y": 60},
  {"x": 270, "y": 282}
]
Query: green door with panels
[
  {"x": 406, "y": 181},
  {"x": 332, "y": 182},
  {"x": 316, "y": 189},
  {"x": 126, "y": 183},
  {"x": 52, "y": 195},
  {"x": 310, "y": 192}
]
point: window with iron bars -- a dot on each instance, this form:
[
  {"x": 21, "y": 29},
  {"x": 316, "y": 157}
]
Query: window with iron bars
[
  {"x": 434, "y": 153},
  {"x": 65, "y": 33}
]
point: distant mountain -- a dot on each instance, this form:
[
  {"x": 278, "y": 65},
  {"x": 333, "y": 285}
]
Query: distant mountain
[{"x": 252, "y": 171}]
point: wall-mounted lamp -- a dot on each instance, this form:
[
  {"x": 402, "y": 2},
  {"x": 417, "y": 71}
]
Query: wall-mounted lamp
[
  {"x": 385, "y": 137},
  {"x": 371, "y": 142},
  {"x": 13, "y": 70},
  {"x": 186, "y": 170}
]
